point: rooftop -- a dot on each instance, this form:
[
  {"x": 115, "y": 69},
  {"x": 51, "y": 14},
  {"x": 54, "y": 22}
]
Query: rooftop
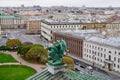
[
  {"x": 51, "y": 22},
  {"x": 8, "y": 16},
  {"x": 112, "y": 41},
  {"x": 93, "y": 36},
  {"x": 78, "y": 33},
  {"x": 62, "y": 75}
]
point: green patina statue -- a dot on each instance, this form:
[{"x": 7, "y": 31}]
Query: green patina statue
[{"x": 56, "y": 53}]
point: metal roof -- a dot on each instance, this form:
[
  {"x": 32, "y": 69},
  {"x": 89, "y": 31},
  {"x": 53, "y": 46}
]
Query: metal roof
[
  {"x": 8, "y": 16},
  {"x": 62, "y": 75}
]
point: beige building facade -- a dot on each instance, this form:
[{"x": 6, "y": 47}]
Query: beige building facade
[
  {"x": 33, "y": 26},
  {"x": 11, "y": 21}
]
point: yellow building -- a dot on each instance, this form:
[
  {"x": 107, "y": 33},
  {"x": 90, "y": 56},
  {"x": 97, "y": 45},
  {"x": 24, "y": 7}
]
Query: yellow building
[
  {"x": 33, "y": 26},
  {"x": 93, "y": 25}
]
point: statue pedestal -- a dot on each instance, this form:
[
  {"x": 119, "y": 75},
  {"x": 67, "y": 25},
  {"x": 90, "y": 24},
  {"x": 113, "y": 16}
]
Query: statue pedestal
[{"x": 55, "y": 69}]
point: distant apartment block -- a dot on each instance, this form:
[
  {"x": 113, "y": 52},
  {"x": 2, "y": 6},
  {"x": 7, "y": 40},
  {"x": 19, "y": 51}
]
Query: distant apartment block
[
  {"x": 113, "y": 26},
  {"x": 47, "y": 27},
  {"x": 94, "y": 25},
  {"x": 11, "y": 21},
  {"x": 33, "y": 26}
]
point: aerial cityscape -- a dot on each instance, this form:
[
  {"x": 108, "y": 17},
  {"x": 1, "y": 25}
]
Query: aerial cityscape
[{"x": 59, "y": 40}]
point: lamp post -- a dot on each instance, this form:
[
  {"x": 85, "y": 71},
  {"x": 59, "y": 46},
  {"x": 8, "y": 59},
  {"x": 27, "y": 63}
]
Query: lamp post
[{"x": 93, "y": 57}]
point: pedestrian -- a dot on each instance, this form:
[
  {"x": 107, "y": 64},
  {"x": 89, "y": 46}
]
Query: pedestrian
[{"x": 20, "y": 62}]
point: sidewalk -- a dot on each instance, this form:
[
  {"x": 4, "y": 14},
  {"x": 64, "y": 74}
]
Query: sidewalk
[
  {"x": 37, "y": 67},
  {"x": 9, "y": 63},
  {"x": 97, "y": 66}
]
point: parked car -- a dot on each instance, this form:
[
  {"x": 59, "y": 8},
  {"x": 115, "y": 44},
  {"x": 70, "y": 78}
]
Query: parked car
[
  {"x": 82, "y": 66},
  {"x": 77, "y": 69}
]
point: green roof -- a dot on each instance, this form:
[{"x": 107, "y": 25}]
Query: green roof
[
  {"x": 62, "y": 75},
  {"x": 8, "y": 16}
]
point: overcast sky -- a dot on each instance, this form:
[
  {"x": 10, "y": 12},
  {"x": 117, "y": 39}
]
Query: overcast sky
[{"x": 78, "y": 3}]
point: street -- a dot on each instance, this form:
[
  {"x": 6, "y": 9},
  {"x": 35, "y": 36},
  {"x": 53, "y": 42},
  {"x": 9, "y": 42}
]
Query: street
[
  {"x": 22, "y": 36},
  {"x": 82, "y": 68}
]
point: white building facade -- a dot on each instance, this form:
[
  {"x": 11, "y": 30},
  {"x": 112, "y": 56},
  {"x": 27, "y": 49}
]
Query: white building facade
[
  {"x": 102, "y": 52},
  {"x": 47, "y": 28}
]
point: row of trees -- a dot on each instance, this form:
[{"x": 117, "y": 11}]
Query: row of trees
[
  {"x": 34, "y": 52},
  {"x": 28, "y": 50}
]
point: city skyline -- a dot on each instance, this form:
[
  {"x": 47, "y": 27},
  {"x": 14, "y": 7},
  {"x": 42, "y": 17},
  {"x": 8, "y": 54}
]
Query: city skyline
[{"x": 48, "y": 3}]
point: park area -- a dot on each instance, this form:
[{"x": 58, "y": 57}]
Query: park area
[
  {"x": 13, "y": 72},
  {"x": 6, "y": 58}
]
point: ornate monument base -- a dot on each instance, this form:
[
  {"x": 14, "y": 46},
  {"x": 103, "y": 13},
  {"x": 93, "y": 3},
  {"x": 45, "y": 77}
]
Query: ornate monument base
[{"x": 55, "y": 69}]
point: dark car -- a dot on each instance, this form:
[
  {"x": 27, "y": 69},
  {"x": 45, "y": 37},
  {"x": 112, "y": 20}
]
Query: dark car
[
  {"x": 77, "y": 69},
  {"x": 82, "y": 66}
]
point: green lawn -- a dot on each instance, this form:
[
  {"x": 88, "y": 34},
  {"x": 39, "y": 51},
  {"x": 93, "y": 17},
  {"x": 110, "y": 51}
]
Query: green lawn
[
  {"x": 15, "y": 72},
  {"x": 4, "y": 58}
]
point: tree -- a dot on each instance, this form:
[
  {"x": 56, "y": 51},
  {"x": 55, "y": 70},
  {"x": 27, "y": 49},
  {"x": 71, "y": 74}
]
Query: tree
[
  {"x": 22, "y": 50},
  {"x": 38, "y": 54},
  {"x": 4, "y": 48},
  {"x": 13, "y": 43},
  {"x": 69, "y": 61},
  {"x": 37, "y": 45},
  {"x": 27, "y": 43}
]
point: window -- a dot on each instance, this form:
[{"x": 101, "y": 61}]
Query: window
[
  {"x": 98, "y": 54},
  {"x": 119, "y": 53},
  {"x": 104, "y": 49},
  {"x": 109, "y": 51},
  {"x": 118, "y": 66},
  {"x": 95, "y": 52},
  {"x": 114, "y": 65},
  {"x": 101, "y": 54},
  {"x": 98, "y": 48},
  {"x": 115, "y": 52},
  {"x": 104, "y": 55},
  {"x": 90, "y": 46},
  {"x": 89, "y": 56},
  {"x": 95, "y": 58},
  {"x": 114, "y": 58},
  {"x": 98, "y": 59},
  {"x": 90, "y": 51},
  {"x": 118, "y": 60}
]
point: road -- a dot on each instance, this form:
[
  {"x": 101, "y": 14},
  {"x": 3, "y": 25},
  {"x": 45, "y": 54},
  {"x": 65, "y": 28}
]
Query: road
[
  {"x": 96, "y": 72},
  {"x": 22, "y": 36}
]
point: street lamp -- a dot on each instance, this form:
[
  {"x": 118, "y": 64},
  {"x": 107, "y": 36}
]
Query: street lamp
[{"x": 93, "y": 58}]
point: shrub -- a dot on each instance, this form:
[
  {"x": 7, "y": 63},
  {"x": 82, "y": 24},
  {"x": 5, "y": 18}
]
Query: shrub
[
  {"x": 38, "y": 54},
  {"x": 69, "y": 61},
  {"x": 4, "y": 48}
]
